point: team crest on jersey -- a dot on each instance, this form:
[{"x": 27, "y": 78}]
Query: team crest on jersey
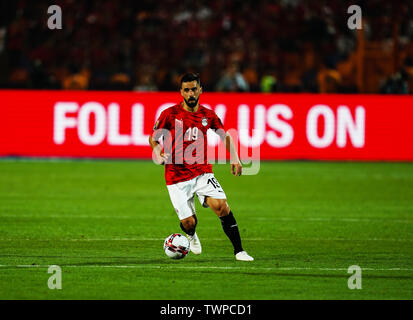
[{"x": 204, "y": 122}]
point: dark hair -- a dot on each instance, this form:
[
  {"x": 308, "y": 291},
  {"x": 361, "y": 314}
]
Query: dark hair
[{"x": 189, "y": 77}]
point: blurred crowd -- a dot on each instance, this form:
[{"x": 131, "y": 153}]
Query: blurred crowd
[{"x": 235, "y": 45}]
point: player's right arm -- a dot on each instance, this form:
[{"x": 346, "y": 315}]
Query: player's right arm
[
  {"x": 161, "y": 124},
  {"x": 160, "y": 156}
]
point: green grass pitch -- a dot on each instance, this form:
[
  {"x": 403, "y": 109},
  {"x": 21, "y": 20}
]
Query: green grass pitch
[{"x": 306, "y": 223}]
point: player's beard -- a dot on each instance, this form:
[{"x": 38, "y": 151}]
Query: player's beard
[{"x": 191, "y": 102}]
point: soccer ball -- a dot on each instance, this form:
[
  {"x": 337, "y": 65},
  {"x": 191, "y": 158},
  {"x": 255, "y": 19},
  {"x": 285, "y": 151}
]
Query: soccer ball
[{"x": 176, "y": 246}]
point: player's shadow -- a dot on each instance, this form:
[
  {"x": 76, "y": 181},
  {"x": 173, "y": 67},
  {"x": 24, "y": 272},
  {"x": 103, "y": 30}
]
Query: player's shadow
[
  {"x": 126, "y": 262},
  {"x": 137, "y": 261}
]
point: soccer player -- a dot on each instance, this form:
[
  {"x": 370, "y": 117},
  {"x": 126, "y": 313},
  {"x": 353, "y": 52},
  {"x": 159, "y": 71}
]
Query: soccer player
[{"x": 187, "y": 171}]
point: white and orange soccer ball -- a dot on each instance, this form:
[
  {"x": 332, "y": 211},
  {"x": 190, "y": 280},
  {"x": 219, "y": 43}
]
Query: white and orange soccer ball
[{"x": 176, "y": 246}]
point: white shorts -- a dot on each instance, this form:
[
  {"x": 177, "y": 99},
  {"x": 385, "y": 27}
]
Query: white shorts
[{"x": 182, "y": 193}]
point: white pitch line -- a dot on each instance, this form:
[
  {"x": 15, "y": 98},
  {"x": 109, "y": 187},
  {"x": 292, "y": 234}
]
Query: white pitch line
[
  {"x": 206, "y": 267},
  {"x": 335, "y": 219},
  {"x": 211, "y": 239},
  {"x": 356, "y": 220}
]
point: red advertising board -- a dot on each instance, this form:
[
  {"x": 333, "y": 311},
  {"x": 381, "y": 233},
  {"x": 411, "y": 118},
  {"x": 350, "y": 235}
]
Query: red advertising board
[{"x": 278, "y": 126}]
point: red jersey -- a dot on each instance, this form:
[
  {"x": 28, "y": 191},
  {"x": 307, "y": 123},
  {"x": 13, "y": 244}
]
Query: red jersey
[{"x": 185, "y": 139}]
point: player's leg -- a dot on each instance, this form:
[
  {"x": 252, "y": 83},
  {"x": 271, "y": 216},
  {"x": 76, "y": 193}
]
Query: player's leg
[
  {"x": 229, "y": 225},
  {"x": 188, "y": 225},
  {"x": 211, "y": 194},
  {"x": 182, "y": 200}
]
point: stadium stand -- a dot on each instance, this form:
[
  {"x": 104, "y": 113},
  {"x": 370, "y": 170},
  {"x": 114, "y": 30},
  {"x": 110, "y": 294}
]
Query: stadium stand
[{"x": 270, "y": 46}]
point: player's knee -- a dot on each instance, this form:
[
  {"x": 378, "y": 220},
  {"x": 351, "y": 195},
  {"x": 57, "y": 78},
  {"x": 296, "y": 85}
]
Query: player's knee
[{"x": 222, "y": 209}]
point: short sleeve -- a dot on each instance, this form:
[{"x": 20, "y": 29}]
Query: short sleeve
[
  {"x": 216, "y": 123},
  {"x": 161, "y": 123},
  {"x": 217, "y": 126}
]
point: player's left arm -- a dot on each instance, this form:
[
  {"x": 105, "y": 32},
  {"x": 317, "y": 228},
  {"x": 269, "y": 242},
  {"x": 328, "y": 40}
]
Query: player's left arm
[
  {"x": 236, "y": 166},
  {"x": 217, "y": 126}
]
